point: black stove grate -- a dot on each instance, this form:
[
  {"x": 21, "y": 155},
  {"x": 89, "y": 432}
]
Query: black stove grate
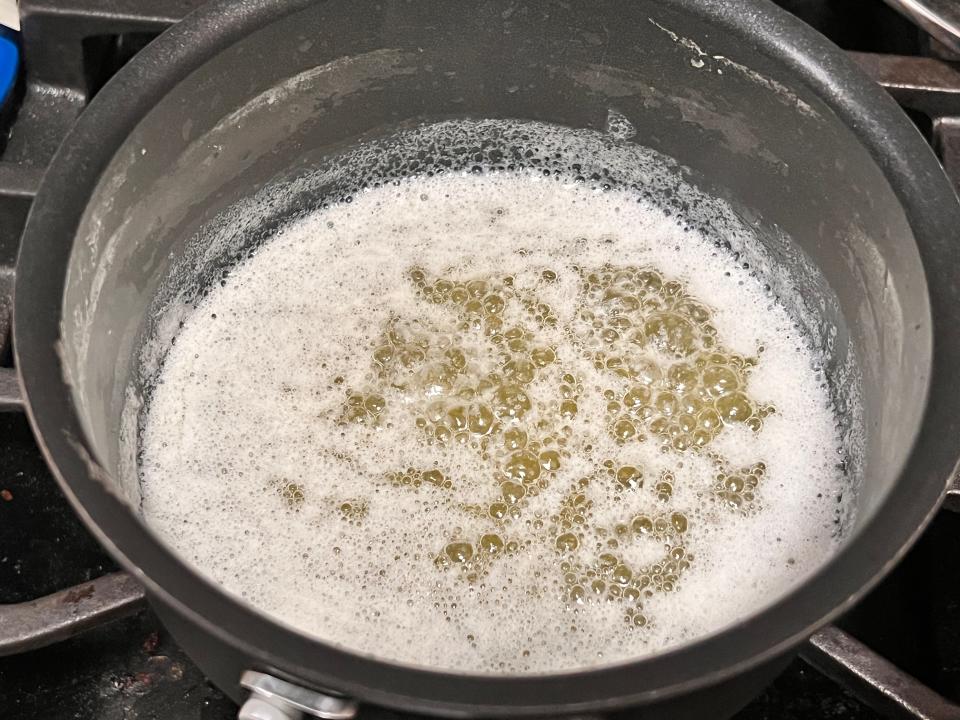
[{"x": 896, "y": 655}]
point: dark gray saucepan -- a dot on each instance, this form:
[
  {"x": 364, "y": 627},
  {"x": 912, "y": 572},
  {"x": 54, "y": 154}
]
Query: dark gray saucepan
[{"x": 756, "y": 107}]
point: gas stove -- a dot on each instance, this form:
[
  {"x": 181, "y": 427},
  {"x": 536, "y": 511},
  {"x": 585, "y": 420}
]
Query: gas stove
[{"x": 76, "y": 637}]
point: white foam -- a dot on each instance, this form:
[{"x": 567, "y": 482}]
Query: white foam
[{"x": 247, "y": 403}]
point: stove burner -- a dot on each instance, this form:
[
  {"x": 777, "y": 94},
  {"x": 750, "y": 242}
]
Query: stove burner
[{"x": 57, "y": 585}]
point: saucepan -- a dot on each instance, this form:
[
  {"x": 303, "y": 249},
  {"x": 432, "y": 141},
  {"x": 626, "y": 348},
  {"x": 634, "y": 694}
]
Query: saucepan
[{"x": 752, "y": 106}]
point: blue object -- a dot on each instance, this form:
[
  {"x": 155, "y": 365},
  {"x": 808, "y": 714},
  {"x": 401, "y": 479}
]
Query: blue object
[{"x": 9, "y": 63}]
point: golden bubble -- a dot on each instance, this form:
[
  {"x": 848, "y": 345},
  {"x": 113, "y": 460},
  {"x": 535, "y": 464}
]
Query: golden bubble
[
  {"x": 493, "y": 304},
  {"x": 621, "y": 574},
  {"x": 520, "y": 371},
  {"x": 642, "y": 525},
  {"x": 477, "y": 288},
  {"x": 734, "y": 407},
  {"x": 630, "y": 477},
  {"x": 650, "y": 281},
  {"x": 491, "y": 543},
  {"x": 410, "y": 356},
  {"x": 609, "y": 335},
  {"x": 522, "y": 467},
  {"x": 690, "y": 404},
  {"x": 709, "y": 419},
  {"x": 567, "y": 542},
  {"x": 459, "y": 552},
  {"x": 433, "y": 477},
  {"x": 695, "y": 311},
  {"x": 417, "y": 276},
  {"x": 354, "y": 414},
  {"x": 720, "y": 380},
  {"x": 510, "y": 401},
  {"x": 646, "y": 372},
  {"x": 659, "y": 426},
  {"x": 637, "y": 396},
  {"x": 456, "y": 357},
  {"x": 616, "y": 364},
  {"x": 481, "y": 420},
  {"x": 514, "y": 438},
  {"x": 608, "y": 561},
  {"x": 512, "y": 492},
  {"x": 624, "y": 430},
  {"x": 682, "y": 377},
  {"x": 666, "y": 403},
  {"x": 672, "y": 287},
  {"x": 679, "y": 522},
  {"x": 671, "y": 332},
  {"x": 473, "y": 307},
  {"x": 498, "y": 510},
  {"x": 383, "y": 354},
  {"x": 733, "y": 500},
  {"x": 664, "y": 490},
  {"x": 550, "y": 460},
  {"x": 435, "y": 412},
  {"x": 457, "y": 418},
  {"x": 541, "y": 357},
  {"x": 374, "y": 404},
  {"x": 620, "y": 302}
]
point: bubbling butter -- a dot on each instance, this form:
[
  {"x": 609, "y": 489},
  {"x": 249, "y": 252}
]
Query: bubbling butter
[{"x": 494, "y": 423}]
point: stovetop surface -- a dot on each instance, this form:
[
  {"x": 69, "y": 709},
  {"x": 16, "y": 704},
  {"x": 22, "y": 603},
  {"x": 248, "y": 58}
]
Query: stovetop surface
[{"x": 133, "y": 669}]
